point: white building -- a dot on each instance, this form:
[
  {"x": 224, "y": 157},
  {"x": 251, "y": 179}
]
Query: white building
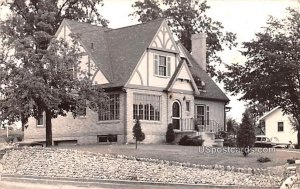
[{"x": 277, "y": 126}]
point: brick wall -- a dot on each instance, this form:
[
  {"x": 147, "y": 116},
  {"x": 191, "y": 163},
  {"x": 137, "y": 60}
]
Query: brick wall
[{"x": 84, "y": 129}]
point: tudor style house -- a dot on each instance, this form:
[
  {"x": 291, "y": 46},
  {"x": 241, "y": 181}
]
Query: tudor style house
[{"x": 147, "y": 75}]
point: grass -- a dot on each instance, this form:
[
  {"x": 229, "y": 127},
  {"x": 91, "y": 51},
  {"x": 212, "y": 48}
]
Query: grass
[{"x": 191, "y": 154}]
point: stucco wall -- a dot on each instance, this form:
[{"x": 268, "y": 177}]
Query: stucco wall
[
  {"x": 271, "y": 121},
  {"x": 216, "y": 110},
  {"x": 84, "y": 129}
]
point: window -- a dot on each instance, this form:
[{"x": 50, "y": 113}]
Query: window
[
  {"x": 146, "y": 107},
  {"x": 200, "y": 115},
  {"x": 162, "y": 65},
  {"x": 207, "y": 115},
  {"x": 82, "y": 109},
  {"x": 112, "y": 109},
  {"x": 188, "y": 105},
  {"x": 280, "y": 126},
  {"x": 40, "y": 120}
]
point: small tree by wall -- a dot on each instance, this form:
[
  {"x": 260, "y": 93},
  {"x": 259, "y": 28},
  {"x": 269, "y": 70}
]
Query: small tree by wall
[
  {"x": 170, "y": 134},
  {"x": 138, "y": 134},
  {"x": 246, "y": 134}
]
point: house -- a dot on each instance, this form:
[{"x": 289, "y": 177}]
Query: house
[
  {"x": 147, "y": 75},
  {"x": 277, "y": 126}
]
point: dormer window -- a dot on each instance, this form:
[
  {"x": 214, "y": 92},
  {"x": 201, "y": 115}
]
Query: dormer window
[{"x": 162, "y": 65}]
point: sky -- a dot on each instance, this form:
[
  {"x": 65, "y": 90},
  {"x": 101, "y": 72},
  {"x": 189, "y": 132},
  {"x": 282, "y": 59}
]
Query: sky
[{"x": 243, "y": 17}]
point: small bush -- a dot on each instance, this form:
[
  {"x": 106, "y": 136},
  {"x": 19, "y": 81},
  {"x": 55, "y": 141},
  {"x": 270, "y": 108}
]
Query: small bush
[
  {"x": 170, "y": 134},
  {"x": 19, "y": 138},
  {"x": 188, "y": 141},
  {"x": 290, "y": 161},
  {"x": 9, "y": 139},
  {"x": 229, "y": 142},
  {"x": 263, "y": 159}
]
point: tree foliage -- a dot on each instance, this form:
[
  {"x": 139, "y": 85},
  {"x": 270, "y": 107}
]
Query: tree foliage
[
  {"x": 232, "y": 126},
  {"x": 246, "y": 134},
  {"x": 138, "y": 134},
  {"x": 271, "y": 75},
  {"x": 186, "y": 18},
  {"x": 35, "y": 67}
]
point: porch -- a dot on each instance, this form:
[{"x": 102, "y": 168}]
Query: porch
[{"x": 197, "y": 125}]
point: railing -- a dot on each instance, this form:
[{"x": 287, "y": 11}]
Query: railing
[
  {"x": 190, "y": 124},
  {"x": 208, "y": 126},
  {"x": 187, "y": 124}
]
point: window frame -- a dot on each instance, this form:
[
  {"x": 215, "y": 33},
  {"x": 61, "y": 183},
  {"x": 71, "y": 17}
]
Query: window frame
[
  {"x": 158, "y": 65},
  {"x": 110, "y": 114},
  {"x": 43, "y": 119},
  {"x": 142, "y": 104},
  {"x": 188, "y": 105},
  {"x": 278, "y": 126}
]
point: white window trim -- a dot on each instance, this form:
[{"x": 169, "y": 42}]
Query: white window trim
[{"x": 156, "y": 66}]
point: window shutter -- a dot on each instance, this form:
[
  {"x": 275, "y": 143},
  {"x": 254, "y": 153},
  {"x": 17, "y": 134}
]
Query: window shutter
[
  {"x": 168, "y": 66},
  {"x": 156, "y": 64}
]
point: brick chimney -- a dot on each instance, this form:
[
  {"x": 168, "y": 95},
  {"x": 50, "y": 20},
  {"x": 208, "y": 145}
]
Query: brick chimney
[{"x": 199, "y": 49}]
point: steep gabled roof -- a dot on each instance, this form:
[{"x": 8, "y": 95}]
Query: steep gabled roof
[
  {"x": 268, "y": 113},
  {"x": 212, "y": 91},
  {"x": 175, "y": 75},
  {"x": 116, "y": 51}
]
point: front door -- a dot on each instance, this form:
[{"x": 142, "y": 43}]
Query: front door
[
  {"x": 200, "y": 115},
  {"x": 176, "y": 115}
]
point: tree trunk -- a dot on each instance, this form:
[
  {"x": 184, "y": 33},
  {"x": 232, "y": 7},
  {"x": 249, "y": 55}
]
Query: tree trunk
[
  {"x": 298, "y": 139},
  {"x": 48, "y": 129},
  {"x": 135, "y": 143}
]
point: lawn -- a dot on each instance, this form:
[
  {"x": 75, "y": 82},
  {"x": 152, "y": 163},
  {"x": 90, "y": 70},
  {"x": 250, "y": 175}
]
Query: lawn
[{"x": 192, "y": 154}]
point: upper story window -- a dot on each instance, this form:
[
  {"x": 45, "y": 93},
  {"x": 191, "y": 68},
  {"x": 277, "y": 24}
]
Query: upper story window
[
  {"x": 162, "y": 65},
  {"x": 112, "y": 110},
  {"x": 280, "y": 126}
]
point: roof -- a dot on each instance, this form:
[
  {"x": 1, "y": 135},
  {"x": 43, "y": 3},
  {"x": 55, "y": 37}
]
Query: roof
[
  {"x": 116, "y": 51},
  {"x": 268, "y": 113},
  {"x": 212, "y": 91}
]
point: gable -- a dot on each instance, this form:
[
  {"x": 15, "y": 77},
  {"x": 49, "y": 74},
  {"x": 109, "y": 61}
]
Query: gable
[
  {"x": 164, "y": 39},
  {"x": 182, "y": 79},
  {"x": 87, "y": 63}
]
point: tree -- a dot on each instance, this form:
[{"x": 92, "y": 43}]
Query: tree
[
  {"x": 170, "y": 134},
  {"x": 35, "y": 68},
  {"x": 232, "y": 126},
  {"x": 185, "y": 18},
  {"x": 271, "y": 74},
  {"x": 246, "y": 134},
  {"x": 138, "y": 134}
]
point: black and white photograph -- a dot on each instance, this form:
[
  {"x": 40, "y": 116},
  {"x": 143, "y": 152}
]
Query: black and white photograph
[{"x": 158, "y": 94}]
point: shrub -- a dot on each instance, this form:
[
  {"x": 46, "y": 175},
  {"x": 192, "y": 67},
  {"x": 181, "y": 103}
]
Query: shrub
[
  {"x": 263, "y": 159},
  {"x": 19, "y": 137},
  {"x": 9, "y": 139},
  {"x": 188, "y": 141},
  {"x": 170, "y": 135},
  {"x": 291, "y": 161},
  {"x": 229, "y": 142},
  {"x": 137, "y": 132}
]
